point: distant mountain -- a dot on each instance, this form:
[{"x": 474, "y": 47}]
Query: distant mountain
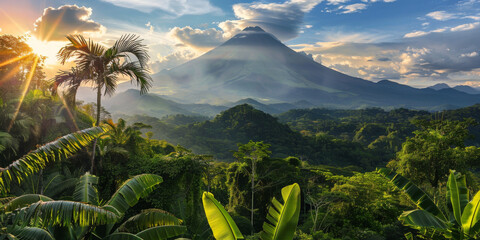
[
  {"x": 131, "y": 102},
  {"x": 467, "y": 89},
  {"x": 439, "y": 86},
  {"x": 255, "y": 64}
]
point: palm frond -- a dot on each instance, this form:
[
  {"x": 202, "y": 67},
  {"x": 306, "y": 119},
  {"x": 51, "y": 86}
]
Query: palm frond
[
  {"x": 131, "y": 44},
  {"x": 136, "y": 72},
  {"x": 85, "y": 190},
  {"x": 131, "y": 191},
  {"x": 122, "y": 236},
  {"x": 79, "y": 47},
  {"x": 31, "y": 233},
  {"x": 68, "y": 213},
  {"x": 162, "y": 232},
  {"x": 148, "y": 218},
  {"x": 25, "y": 200},
  {"x": 34, "y": 161}
]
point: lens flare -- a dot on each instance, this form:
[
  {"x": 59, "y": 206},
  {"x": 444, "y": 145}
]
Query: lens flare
[
  {"x": 24, "y": 92},
  {"x": 69, "y": 112}
]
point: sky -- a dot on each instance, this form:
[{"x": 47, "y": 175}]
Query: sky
[{"x": 414, "y": 42}]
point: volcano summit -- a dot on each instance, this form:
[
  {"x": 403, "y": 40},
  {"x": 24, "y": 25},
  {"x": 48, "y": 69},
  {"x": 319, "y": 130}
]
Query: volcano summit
[{"x": 255, "y": 64}]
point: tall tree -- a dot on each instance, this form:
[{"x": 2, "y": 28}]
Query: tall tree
[
  {"x": 252, "y": 152},
  {"x": 435, "y": 149},
  {"x": 127, "y": 57}
]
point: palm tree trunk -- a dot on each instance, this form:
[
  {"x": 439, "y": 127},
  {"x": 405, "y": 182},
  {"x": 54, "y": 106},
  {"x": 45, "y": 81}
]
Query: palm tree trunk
[{"x": 97, "y": 123}]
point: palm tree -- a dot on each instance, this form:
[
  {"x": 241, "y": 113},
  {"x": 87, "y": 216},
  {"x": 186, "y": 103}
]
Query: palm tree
[{"x": 105, "y": 65}]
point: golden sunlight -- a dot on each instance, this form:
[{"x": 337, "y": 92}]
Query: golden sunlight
[{"x": 48, "y": 49}]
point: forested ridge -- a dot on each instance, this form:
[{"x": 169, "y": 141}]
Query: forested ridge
[{"x": 71, "y": 172}]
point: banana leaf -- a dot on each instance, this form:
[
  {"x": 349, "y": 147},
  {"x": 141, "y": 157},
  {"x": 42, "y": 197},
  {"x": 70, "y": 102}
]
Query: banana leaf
[
  {"x": 282, "y": 219},
  {"x": 419, "y": 197},
  {"x": 221, "y": 223}
]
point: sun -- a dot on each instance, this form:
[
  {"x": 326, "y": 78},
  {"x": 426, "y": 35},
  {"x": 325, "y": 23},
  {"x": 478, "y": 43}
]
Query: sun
[{"x": 48, "y": 49}]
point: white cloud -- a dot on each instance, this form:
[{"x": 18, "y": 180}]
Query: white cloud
[
  {"x": 425, "y": 24},
  {"x": 336, "y": 2},
  {"x": 172, "y": 60},
  {"x": 197, "y": 38},
  {"x": 308, "y": 26},
  {"x": 56, "y": 23},
  {"x": 472, "y": 54},
  {"x": 352, "y": 8},
  {"x": 284, "y": 20},
  {"x": 178, "y": 8},
  {"x": 464, "y": 27},
  {"x": 415, "y": 34},
  {"x": 476, "y": 18},
  {"x": 151, "y": 29},
  {"x": 441, "y": 15}
]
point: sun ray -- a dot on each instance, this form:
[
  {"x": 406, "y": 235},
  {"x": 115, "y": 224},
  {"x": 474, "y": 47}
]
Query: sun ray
[
  {"x": 12, "y": 60},
  {"x": 13, "y": 21},
  {"x": 70, "y": 114},
  {"x": 24, "y": 92},
  {"x": 53, "y": 27},
  {"x": 9, "y": 74}
]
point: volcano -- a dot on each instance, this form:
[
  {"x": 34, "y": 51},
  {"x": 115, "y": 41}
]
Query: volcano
[{"x": 255, "y": 64}]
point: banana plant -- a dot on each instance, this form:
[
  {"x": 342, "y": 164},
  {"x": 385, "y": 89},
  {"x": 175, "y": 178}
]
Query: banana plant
[
  {"x": 282, "y": 219},
  {"x": 461, "y": 219},
  {"x": 38, "y": 159},
  {"x": 36, "y": 216}
]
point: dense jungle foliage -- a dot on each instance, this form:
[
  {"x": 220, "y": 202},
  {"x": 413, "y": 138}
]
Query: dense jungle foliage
[{"x": 147, "y": 175}]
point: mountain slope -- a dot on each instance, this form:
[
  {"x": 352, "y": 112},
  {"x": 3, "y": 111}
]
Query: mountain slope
[{"x": 254, "y": 64}]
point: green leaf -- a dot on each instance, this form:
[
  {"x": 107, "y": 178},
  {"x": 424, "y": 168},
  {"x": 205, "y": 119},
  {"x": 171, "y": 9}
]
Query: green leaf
[
  {"x": 421, "y": 219},
  {"x": 162, "y": 232},
  {"x": 131, "y": 191},
  {"x": 282, "y": 219},
  {"x": 221, "y": 223},
  {"x": 457, "y": 192},
  {"x": 147, "y": 219},
  {"x": 85, "y": 190},
  {"x": 68, "y": 213},
  {"x": 25, "y": 200},
  {"x": 471, "y": 215},
  {"x": 419, "y": 197},
  {"x": 122, "y": 236},
  {"x": 38, "y": 159},
  {"x": 32, "y": 233}
]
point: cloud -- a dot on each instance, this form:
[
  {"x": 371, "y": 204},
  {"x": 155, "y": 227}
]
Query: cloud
[
  {"x": 429, "y": 56},
  {"x": 151, "y": 29},
  {"x": 415, "y": 34},
  {"x": 178, "y": 8},
  {"x": 284, "y": 20},
  {"x": 198, "y": 38},
  {"x": 336, "y": 2},
  {"x": 462, "y": 27},
  {"x": 352, "y": 8},
  {"x": 441, "y": 15},
  {"x": 55, "y": 23},
  {"x": 465, "y": 27},
  {"x": 172, "y": 60},
  {"x": 472, "y": 54}
]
